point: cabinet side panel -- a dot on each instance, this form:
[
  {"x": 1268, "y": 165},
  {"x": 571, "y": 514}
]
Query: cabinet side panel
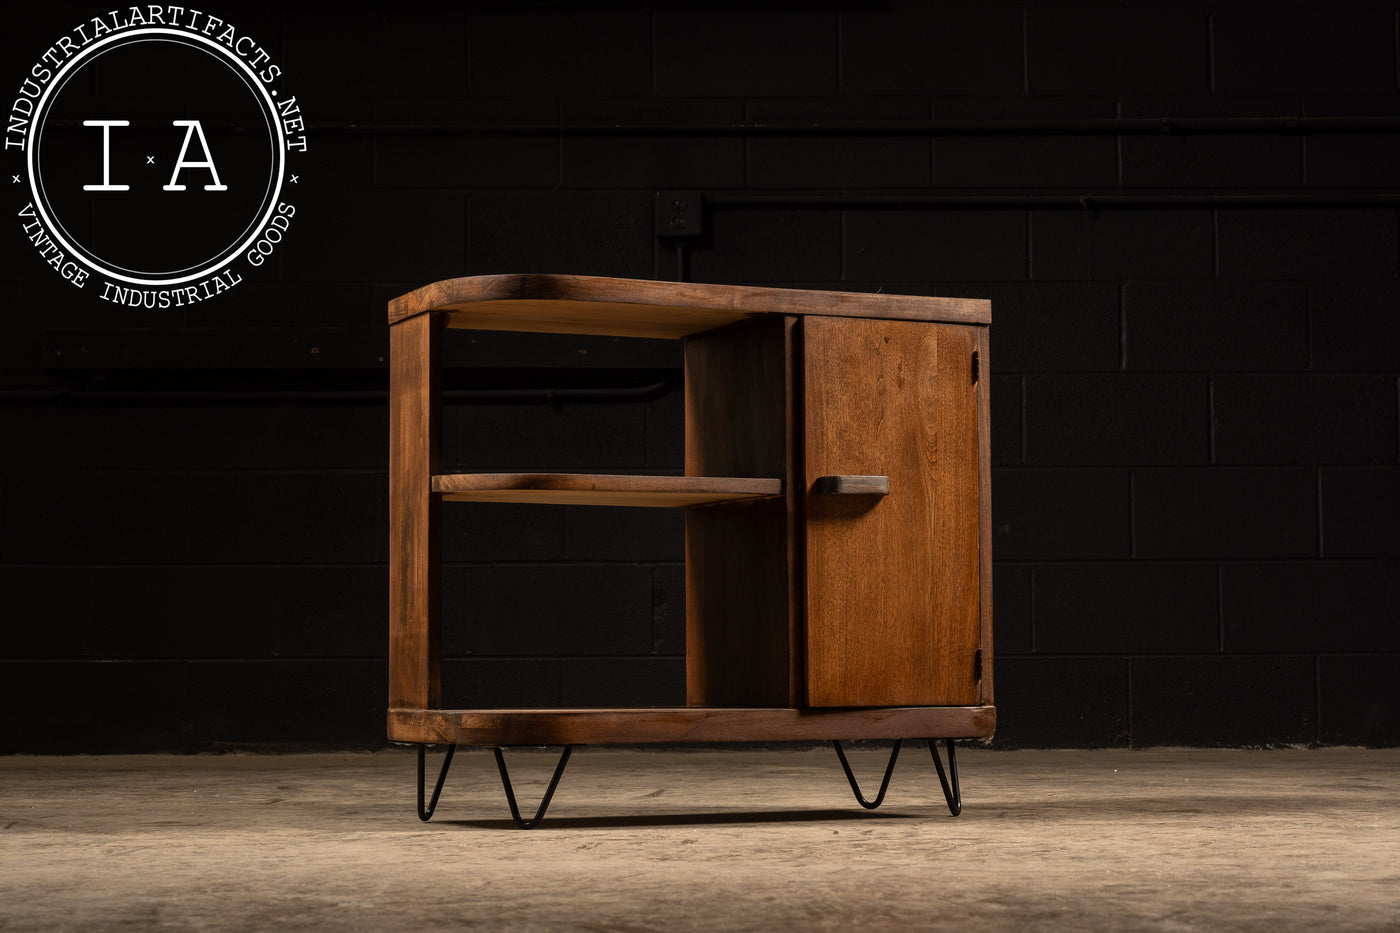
[
  {"x": 415, "y": 418},
  {"x": 893, "y": 602},
  {"x": 737, "y": 592},
  {"x": 984, "y": 486}
]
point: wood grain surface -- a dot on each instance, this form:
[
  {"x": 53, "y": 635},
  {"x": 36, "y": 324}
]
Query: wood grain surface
[
  {"x": 738, "y": 594},
  {"x": 683, "y": 724},
  {"x": 893, "y": 603},
  {"x": 603, "y": 489},
  {"x": 415, "y": 419},
  {"x": 626, "y": 307}
]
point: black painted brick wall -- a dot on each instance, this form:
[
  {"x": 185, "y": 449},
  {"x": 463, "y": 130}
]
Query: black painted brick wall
[{"x": 1196, "y": 479}]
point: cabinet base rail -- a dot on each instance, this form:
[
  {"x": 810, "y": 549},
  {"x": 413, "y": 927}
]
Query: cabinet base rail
[{"x": 952, "y": 793}]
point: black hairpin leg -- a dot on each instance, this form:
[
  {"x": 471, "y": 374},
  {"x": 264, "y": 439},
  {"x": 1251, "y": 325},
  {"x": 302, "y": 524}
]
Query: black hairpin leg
[
  {"x": 426, "y": 813},
  {"x": 951, "y": 792},
  {"x": 548, "y": 794},
  {"x": 884, "y": 785}
]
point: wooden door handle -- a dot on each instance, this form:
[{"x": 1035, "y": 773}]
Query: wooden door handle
[{"x": 851, "y": 486}]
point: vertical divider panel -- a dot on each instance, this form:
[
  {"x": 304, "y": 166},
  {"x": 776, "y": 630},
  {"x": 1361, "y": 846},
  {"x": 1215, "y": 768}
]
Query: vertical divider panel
[
  {"x": 415, "y": 445},
  {"x": 739, "y": 608}
]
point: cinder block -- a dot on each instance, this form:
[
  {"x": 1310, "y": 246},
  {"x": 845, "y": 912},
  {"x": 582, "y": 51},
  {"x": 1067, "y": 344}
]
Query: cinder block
[
  {"x": 1049, "y": 327},
  {"x": 1122, "y": 244},
  {"x": 366, "y": 236},
  {"x": 686, "y": 161},
  {"x": 467, "y": 160},
  {"x": 1334, "y": 606},
  {"x": 1221, "y": 326},
  {"x": 851, "y": 161},
  {"x": 583, "y": 233},
  {"x": 1321, "y": 243},
  {"x": 1062, "y": 703},
  {"x": 1119, "y": 420},
  {"x": 1290, "y": 48},
  {"x": 254, "y": 518},
  {"x": 1305, "y": 418},
  {"x": 949, "y": 245},
  {"x": 768, "y": 246},
  {"x": 1211, "y": 160},
  {"x": 1224, "y": 701},
  {"x": 1360, "y": 699},
  {"x": 101, "y": 708},
  {"x": 920, "y": 48},
  {"x": 486, "y": 532},
  {"x": 1006, "y": 421},
  {"x": 668, "y": 610},
  {"x": 1058, "y": 513},
  {"x": 43, "y": 435},
  {"x": 501, "y": 683},
  {"x": 665, "y": 420},
  {"x": 1355, "y": 325},
  {"x": 251, "y": 612},
  {"x": 1105, "y": 48},
  {"x": 56, "y": 518},
  {"x": 547, "y": 610},
  {"x": 47, "y": 611},
  {"x": 626, "y": 534},
  {"x": 531, "y": 437},
  {"x": 238, "y": 436},
  {"x": 1011, "y": 611},
  {"x": 1037, "y": 160},
  {"x": 328, "y": 57},
  {"x": 1126, "y": 608},
  {"x": 1223, "y": 512},
  {"x": 1359, "y": 506},
  {"x": 744, "y": 52},
  {"x": 265, "y": 705},
  {"x": 530, "y": 51},
  {"x": 605, "y": 682}
]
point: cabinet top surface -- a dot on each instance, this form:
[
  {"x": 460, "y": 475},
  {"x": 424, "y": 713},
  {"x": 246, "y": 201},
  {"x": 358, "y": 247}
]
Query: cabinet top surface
[{"x": 642, "y": 308}]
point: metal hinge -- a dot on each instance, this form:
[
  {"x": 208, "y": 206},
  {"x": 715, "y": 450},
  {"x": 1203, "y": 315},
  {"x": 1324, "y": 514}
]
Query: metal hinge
[
  {"x": 976, "y": 365},
  {"x": 977, "y": 665}
]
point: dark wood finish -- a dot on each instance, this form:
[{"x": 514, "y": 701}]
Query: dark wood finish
[
  {"x": 582, "y": 304},
  {"x": 838, "y": 535},
  {"x": 684, "y": 724},
  {"x": 603, "y": 489},
  {"x": 415, "y": 416},
  {"x": 984, "y": 494},
  {"x": 892, "y": 582},
  {"x": 738, "y": 603},
  {"x": 851, "y": 486}
]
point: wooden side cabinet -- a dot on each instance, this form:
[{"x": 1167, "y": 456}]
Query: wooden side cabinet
[{"x": 838, "y": 526}]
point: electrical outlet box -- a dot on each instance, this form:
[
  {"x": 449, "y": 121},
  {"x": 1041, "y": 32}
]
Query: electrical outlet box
[{"x": 678, "y": 213}]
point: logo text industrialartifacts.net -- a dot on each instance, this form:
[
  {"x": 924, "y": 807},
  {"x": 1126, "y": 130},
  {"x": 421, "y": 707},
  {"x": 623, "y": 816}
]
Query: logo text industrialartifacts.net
[{"x": 151, "y": 148}]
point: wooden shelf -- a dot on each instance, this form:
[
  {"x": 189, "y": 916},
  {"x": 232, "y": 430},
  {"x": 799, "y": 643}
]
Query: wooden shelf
[
  {"x": 684, "y": 724},
  {"x": 603, "y": 489}
]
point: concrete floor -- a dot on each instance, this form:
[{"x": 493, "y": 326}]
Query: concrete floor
[{"x": 681, "y": 840}]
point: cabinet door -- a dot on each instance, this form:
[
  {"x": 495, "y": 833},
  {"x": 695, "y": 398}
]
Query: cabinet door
[{"x": 892, "y": 600}]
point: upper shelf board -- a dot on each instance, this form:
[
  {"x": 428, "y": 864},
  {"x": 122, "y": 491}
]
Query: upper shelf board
[{"x": 585, "y": 304}]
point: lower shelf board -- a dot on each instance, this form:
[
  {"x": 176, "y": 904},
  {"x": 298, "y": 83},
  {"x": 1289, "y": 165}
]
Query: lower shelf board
[{"x": 668, "y": 725}]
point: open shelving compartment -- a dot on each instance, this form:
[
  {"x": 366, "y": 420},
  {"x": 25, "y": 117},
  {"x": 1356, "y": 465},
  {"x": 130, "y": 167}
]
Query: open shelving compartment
[{"x": 838, "y": 524}]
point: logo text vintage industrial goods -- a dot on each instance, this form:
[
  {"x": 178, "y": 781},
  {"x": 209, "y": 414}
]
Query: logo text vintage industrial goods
[{"x": 155, "y": 151}]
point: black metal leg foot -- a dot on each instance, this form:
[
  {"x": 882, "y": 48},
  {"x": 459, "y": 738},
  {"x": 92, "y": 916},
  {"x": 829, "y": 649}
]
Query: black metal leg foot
[
  {"x": 426, "y": 813},
  {"x": 884, "y": 785},
  {"x": 951, "y": 791},
  {"x": 548, "y": 794}
]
